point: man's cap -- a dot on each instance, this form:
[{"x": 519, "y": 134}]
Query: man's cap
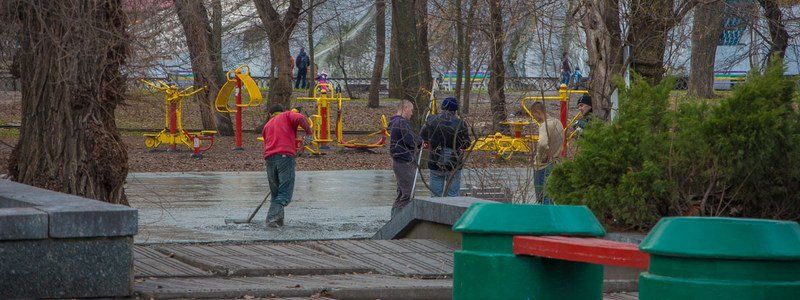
[{"x": 450, "y": 104}]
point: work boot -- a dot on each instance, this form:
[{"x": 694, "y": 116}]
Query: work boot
[
  {"x": 273, "y": 224},
  {"x": 280, "y": 222}
]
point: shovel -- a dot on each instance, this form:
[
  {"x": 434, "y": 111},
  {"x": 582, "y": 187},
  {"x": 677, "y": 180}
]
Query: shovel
[{"x": 252, "y": 215}]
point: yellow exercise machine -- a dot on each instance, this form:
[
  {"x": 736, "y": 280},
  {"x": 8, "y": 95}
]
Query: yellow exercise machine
[
  {"x": 235, "y": 79},
  {"x": 358, "y": 143},
  {"x": 505, "y": 146},
  {"x": 173, "y": 133},
  {"x": 323, "y": 94}
]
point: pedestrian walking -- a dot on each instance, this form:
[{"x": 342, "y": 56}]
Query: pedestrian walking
[
  {"x": 302, "y": 61},
  {"x": 403, "y": 144},
  {"x": 447, "y": 136}
]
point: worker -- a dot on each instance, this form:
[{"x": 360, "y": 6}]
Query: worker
[
  {"x": 447, "y": 136},
  {"x": 548, "y": 147},
  {"x": 403, "y": 143}
]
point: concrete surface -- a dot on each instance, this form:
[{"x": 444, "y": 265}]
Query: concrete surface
[{"x": 439, "y": 210}]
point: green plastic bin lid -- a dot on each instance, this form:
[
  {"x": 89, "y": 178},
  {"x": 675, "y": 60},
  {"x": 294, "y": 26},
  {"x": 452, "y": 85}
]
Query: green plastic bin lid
[
  {"x": 501, "y": 218},
  {"x": 732, "y": 238}
]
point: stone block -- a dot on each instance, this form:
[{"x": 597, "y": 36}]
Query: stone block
[
  {"x": 440, "y": 210},
  {"x": 22, "y": 223},
  {"x": 97, "y": 220},
  {"x": 66, "y": 268}
]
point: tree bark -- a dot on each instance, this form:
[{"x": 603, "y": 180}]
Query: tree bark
[
  {"x": 312, "y": 71},
  {"x": 279, "y": 30},
  {"x": 706, "y": 29},
  {"x": 777, "y": 29},
  {"x": 497, "y": 96},
  {"x": 423, "y": 50},
  {"x": 650, "y": 22},
  {"x": 71, "y": 53},
  {"x": 410, "y": 52},
  {"x": 205, "y": 67},
  {"x": 459, "y": 28},
  {"x": 604, "y": 46},
  {"x": 467, "y": 53},
  {"x": 380, "y": 54},
  {"x": 395, "y": 87}
]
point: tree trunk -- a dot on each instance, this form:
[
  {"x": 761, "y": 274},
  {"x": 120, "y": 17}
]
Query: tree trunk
[
  {"x": 71, "y": 53},
  {"x": 395, "y": 88},
  {"x": 205, "y": 67},
  {"x": 423, "y": 49},
  {"x": 409, "y": 50},
  {"x": 650, "y": 22},
  {"x": 466, "y": 51},
  {"x": 459, "y": 28},
  {"x": 604, "y": 46},
  {"x": 279, "y": 30},
  {"x": 777, "y": 29},
  {"x": 497, "y": 96},
  {"x": 312, "y": 71},
  {"x": 380, "y": 54},
  {"x": 706, "y": 29}
]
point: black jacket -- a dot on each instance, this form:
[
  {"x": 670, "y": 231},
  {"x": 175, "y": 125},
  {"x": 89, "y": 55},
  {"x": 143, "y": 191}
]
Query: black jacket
[
  {"x": 447, "y": 136},
  {"x": 404, "y": 141}
]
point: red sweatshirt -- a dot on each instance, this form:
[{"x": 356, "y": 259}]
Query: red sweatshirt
[{"x": 280, "y": 133}]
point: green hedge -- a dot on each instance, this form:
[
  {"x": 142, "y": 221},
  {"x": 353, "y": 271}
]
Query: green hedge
[{"x": 738, "y": 156}]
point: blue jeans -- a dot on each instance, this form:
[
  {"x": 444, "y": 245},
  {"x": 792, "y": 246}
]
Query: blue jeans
[
  {"x": 280, "y": 172},
  {"x": 438, "y": 180},
  {"x": 540, "y": 181},
  {"x": 301, "y": 81}
]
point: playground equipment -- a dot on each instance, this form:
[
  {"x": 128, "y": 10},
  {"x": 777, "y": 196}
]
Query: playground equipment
[
  {"x": 357, "y": 142},
  {"x": 235, "y": 79},
  {"x": 505, "y": 146},
  {"x": 554, "y": 252},
  {"x": 323, "y": 94},
  {"x": 173, "y": 133}
]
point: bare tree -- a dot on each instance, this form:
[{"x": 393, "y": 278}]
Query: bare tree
[
  {"x": 779, "y": 38},
  {"x": 312, "y": 70},
  {"x": 497, "y": 96},
  {"x": 203, "y": 54},
  {"x": 70, "y": 56},
  {"x": 410, "y": 47},
  {"x": 380, "y": 53},
  {"x": 706, "y": 29},
  {"x": 465, "y": 52},
  {"x": 279, "y": 30}
]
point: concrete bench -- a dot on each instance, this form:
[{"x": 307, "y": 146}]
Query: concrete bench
[{"x": 55, "y": 245}]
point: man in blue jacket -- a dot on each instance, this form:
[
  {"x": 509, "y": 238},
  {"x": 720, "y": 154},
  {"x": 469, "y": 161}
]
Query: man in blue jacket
[
  {"x": 302, "y": 61},
  {"x": 448, "y": 137},
  {"x": 402, "y": 146}
]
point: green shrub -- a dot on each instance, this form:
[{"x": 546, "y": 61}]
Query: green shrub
[{"x": 736, "y": 157}]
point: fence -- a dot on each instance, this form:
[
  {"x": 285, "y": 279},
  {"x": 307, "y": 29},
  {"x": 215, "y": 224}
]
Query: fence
[{"x": 361, "y": 85}]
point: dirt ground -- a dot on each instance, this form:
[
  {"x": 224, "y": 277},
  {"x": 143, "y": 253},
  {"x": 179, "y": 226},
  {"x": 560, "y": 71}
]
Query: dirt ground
[{"x": 144, "y": 112}]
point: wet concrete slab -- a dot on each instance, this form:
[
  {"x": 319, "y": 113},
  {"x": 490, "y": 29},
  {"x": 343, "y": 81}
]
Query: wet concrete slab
[
  {"x": 263, "y": 260},
  {"x": 149, "y": 262},
  {"x": 346, "y": 286},
  {"x": 192, "y": 207}
]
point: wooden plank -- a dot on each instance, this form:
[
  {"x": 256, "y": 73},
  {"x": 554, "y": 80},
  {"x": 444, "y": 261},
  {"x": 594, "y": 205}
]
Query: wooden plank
[
  {"x": 588, "y": 250},
  {"x": 151, "y": 263},
  {"x": 339, "y": 286}
]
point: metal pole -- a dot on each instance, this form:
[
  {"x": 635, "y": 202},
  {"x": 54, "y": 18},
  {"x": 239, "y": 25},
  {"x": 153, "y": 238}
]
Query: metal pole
[
  {"x": 431, "y": 107},
  {"x": 238, "y": 114}
]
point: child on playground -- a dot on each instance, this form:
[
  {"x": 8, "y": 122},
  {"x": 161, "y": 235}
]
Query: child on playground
[{"x": 280, "y": 147}]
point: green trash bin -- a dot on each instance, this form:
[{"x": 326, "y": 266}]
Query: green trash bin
[
  {"x": 721, "y": 258},
  {"x": 486, "y": 268}
]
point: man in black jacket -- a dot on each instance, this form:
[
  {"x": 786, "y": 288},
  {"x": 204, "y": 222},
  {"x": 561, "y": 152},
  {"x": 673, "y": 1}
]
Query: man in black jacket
[
  {"x": 402, "y": 146},
  {"x": 447, "y": 136},
  {"x": 302, "y": 61}
]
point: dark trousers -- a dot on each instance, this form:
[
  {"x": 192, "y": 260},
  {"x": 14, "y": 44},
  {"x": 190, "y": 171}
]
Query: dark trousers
[
  {"x": 404, "y": 173},
  {"x": 280, "y": 173},
  {"x": 301, "y": 81}
]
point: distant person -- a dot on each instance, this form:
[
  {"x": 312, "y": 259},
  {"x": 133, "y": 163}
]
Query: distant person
[
  {"x": 565, "y": 71},
  {"x": 403, "y": 144},
  {"x": 585, "y": 107},
  {"x": 280, "y": 134},
  {"x": 576, "y": 78},
  {"x": 551, "y": 139},
  {"x": 302, "y": 61},
  {"x": 447, "y": 136}
]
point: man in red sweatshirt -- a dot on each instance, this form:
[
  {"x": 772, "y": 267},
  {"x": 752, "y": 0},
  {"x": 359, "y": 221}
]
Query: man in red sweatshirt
[{"x": 279, "y": 136}]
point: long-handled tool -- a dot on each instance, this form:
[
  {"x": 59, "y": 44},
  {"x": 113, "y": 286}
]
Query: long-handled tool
[
  {"x": 252, "y": 215},
  {"x": 431, "y": 110}
]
